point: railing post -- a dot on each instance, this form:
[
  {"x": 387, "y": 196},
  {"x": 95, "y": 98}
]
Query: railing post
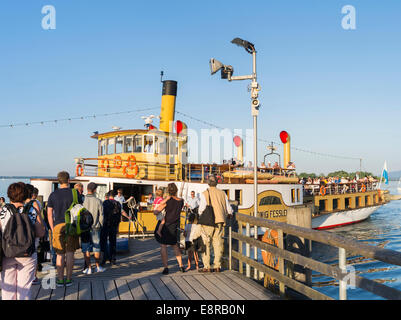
[
  {"x": 230, "y": 246},
  {"x": 240, "y": 230},
  {"x": 248, "y": 251},
  {"x": 281, "y": 261},
  {"x": 342, "y": 264}
]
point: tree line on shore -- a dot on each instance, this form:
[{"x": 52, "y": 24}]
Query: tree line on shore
[{"x": 340, "y": 173}]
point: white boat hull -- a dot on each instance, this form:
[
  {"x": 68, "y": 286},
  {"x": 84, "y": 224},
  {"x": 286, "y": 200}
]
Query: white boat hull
[{"x": 342, "y": 218}]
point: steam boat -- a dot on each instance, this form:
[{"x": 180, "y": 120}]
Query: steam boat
[{"x": 141, "y": 160}]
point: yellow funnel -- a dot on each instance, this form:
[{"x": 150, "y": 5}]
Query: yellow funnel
[{"x": 168, "y": 105}]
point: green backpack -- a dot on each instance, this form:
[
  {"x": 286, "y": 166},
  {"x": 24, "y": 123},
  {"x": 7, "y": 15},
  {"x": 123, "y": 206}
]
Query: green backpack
[{"x": 73, "y": 217}]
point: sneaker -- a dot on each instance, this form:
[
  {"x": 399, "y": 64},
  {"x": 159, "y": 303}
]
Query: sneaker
[
  {"x": 100, "y": 269},
  {"x": 68, "y": 283},
  {"x": 60, "y": 283},
  {"x": 165, "y": 271},
  {"x": 36, "y": 281},
  {"x": 87, "y": 271}
]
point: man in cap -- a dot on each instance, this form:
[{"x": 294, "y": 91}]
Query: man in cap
[{"x": 212, "y": 236}]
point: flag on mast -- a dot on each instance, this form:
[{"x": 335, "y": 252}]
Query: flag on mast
[{"x": 385, "y": 173}]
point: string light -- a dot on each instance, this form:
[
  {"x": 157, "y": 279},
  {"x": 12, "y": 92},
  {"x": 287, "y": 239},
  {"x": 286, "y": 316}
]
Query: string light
[
  {"x": 178, "y": 112},
  {"x": 12, "y": 125}
]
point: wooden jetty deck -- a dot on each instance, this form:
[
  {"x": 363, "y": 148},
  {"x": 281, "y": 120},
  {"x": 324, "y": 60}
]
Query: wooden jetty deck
[{"x": 137, "y": 276}]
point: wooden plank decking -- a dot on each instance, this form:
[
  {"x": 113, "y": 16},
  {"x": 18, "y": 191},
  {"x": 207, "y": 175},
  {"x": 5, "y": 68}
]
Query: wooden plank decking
[{"x": 137, "y": 276}]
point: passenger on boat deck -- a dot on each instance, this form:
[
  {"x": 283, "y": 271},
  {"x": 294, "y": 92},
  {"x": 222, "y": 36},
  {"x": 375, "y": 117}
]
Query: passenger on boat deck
[
  {"x": 291, "y": 165},
  {"x": 148, "y": 147},
  {"x": 80, "y": 188},
  {"x": 193, "y": 202},
  {"x": 150, "y": 199},
  {"x": 263, "y": 166},
  {"x": 250, "y": 166},
  {"x": 269, "y": 165}
]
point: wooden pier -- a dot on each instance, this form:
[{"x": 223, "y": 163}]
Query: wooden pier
[{"x": 137, "y": 276}]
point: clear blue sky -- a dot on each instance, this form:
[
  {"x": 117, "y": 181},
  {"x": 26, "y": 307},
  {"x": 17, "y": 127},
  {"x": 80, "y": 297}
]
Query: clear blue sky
[{"x": 335, "y": 91}]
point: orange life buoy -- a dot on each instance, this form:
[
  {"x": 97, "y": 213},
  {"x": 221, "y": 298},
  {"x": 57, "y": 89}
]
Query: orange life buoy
[
  {"x": 105, "y": 164},
  {"x": 131, "y": 165},
  {"x": 79, "y": 171},
  {"x": 322, "y": 190},
  {"x": 270, "y": 237},
  {"x": 118, "y": 162},
  {"x": 363, "y": 188}
]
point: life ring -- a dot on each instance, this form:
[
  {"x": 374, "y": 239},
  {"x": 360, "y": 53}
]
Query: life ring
[
  {"x": 118, "y": 162},
  {"x": 322, "y": 190},
  {"x": 270, "y": 237},
  {"x": 131, "y": 165},
  {"x": 79, "y": 171},
  {"x": 105, "y": 164},
  {"x": 363, "y": 188}
]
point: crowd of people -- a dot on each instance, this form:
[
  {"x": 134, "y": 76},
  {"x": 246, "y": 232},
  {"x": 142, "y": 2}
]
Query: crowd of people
[
  {"x": 52, "y": 225},
  {"x": 339, "y": 184}
]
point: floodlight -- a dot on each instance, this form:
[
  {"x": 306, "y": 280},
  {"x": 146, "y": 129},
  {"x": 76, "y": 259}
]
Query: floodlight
[
  {"x": 249, "y": 47},
  {"x": 215, "y": 65}
]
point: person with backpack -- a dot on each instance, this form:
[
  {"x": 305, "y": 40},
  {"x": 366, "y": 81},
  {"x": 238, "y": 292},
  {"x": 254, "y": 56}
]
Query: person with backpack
[
  {"x": 65, "y": 241},
  {"x": 112, "y": 212},
  {"x": 18, "y": 233},
  {"x": 34, "y": 213}
]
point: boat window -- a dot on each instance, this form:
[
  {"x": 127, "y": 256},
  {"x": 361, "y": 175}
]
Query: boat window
[
  {"x": 298, "y": 195},
  {"x": 128, "y": 144},
  {"x": 347, "y": 203},
  {"x": 138, "y": 143},
  {"x": 227, "y": 193},
  {"x": 173, "y": 146},
  {"x": 335, "y": 204},
  {"x": 102, "y": 147},
  {"x": 269, "y": 200},
  {"x": 111, "y": 146},
  {"x": 148, "y": 143},
  {"x": 119, "y": 144},
  {"x": 161, "y": 145},
  {"x": 238, "y": 196},
  {"x": 292, "y": 195}
]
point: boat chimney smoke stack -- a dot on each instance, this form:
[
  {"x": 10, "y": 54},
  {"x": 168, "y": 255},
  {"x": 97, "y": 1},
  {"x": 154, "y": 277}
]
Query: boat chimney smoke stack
[
  {"x": 240, "y": 148},
  {"x": 286, "y": 140},
  {"x": 167, "y": 110}
]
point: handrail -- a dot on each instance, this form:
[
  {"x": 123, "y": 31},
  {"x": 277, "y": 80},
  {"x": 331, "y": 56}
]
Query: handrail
[{"x": 339, "y": 273}]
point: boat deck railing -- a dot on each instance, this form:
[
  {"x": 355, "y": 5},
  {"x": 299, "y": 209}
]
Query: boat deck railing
[
  {"x": 93, "y": 167},
  {"x": 339, "y": 188}
]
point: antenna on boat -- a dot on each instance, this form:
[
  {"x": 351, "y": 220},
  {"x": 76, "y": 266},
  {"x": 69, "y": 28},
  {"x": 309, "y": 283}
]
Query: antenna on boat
[{"x": 161, "y": 76}]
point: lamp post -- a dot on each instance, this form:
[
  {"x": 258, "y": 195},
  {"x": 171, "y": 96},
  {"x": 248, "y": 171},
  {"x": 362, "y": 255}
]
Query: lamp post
[{"x": 227, "y": 73}]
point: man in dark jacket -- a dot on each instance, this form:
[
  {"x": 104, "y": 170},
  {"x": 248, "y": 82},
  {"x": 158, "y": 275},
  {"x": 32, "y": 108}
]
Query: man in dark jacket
[{"x": 111, "y": 219}]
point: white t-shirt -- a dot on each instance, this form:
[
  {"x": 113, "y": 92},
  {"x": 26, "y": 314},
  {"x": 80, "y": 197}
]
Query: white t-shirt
[{"x": 120, "y": 199}]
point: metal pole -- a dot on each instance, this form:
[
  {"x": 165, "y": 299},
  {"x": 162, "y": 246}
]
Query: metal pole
[
  {"x": 342, "y": 264},
  {"x": 255, "y": 154}
]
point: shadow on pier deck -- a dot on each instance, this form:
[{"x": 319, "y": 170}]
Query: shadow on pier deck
[{"x": 137, "y": 276}]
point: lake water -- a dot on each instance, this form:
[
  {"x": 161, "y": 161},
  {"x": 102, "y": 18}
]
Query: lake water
[{"x": 383, "y": 228}]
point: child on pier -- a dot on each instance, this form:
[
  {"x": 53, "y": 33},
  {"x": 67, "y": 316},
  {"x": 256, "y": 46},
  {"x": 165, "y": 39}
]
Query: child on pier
[{"x": 192, "y": 234}]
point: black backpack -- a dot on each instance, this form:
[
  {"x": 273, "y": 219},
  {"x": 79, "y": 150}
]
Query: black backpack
[{"x": 18, "y": 239}]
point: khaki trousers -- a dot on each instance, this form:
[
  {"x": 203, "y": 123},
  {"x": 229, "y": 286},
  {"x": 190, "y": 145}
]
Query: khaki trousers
[{"x": 213, "y": 237}]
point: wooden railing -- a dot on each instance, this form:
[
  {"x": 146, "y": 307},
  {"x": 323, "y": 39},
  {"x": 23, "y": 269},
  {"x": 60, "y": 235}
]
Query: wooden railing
[{"x": 286, "y": 257}]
